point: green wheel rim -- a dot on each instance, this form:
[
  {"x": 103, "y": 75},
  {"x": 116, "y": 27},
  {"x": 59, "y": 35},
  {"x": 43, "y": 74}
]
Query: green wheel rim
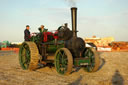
[
  {"x": 94, "y": 60},
  {"x": 91, "y": 57},
  {"x": 24, "y": 56},
  {"x": 63, "y": 61}
]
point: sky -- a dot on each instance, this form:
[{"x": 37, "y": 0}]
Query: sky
[{"x": 102, "y": 18}]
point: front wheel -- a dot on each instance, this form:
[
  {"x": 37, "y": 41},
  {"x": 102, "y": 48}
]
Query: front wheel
[
  {"x": 94, "y": 60},
  {"x": 63, "y": 61}
]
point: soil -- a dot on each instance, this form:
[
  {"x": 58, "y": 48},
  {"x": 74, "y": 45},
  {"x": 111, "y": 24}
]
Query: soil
[{"x": 113, "y": 71}]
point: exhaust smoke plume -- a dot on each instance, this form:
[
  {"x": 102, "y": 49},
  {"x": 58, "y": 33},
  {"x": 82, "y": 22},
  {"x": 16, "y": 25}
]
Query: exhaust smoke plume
[{"x": 72, "y": 3}]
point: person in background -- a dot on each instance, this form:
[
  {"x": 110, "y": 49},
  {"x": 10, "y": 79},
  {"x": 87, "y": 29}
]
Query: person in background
[
  {"x": 42, "y": 29},
  {"x": 27, "y": 33}
]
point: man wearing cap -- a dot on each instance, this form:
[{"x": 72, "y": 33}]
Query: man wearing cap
[
  {"x": 27, "y": 33},
  {"x": 42, "y": 29}
]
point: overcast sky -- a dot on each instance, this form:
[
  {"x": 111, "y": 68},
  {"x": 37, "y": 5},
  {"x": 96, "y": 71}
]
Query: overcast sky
[{"x": 102, "y": 18}]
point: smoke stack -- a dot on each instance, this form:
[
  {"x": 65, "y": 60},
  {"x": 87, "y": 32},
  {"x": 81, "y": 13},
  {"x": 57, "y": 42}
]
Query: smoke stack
[{"x": 74, "y": 21}]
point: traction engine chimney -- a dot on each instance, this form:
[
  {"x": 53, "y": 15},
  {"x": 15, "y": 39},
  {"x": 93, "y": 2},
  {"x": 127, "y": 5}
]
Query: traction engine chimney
[{"x": 74, "y": 21}]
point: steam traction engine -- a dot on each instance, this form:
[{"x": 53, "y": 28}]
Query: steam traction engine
[{"x": 62, "y": 48}]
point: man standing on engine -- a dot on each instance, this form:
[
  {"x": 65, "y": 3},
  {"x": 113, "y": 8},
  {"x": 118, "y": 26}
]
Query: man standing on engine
[
  {"x": 27, "y": 33},
  {"x": 42, "y": 29}
]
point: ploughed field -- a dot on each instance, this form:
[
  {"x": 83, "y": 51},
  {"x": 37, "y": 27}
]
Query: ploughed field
[{"x": 113, "y": 71}]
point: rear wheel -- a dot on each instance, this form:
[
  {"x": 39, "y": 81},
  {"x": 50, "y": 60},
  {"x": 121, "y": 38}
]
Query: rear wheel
[
  {"x": 94, "y": 60},
  {"x": 28, "y": 56},
  {"x": 63, "y": 61}
]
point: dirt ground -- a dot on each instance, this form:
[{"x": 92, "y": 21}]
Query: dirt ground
[{"x": 113, "y": 71}]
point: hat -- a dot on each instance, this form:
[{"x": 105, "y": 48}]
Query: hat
[
  {"x": 27, "y": 25},
  {"x": 42, "y": 26}
]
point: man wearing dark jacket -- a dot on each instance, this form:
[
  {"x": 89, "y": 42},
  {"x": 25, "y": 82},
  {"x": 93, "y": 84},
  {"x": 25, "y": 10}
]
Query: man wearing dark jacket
[
  {"x": 42, "y": 29},
  {"x": 27, "y": 33}
]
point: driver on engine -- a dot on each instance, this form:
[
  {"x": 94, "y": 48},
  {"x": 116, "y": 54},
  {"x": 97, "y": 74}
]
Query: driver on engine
[{"x": 42, "y": 29}]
